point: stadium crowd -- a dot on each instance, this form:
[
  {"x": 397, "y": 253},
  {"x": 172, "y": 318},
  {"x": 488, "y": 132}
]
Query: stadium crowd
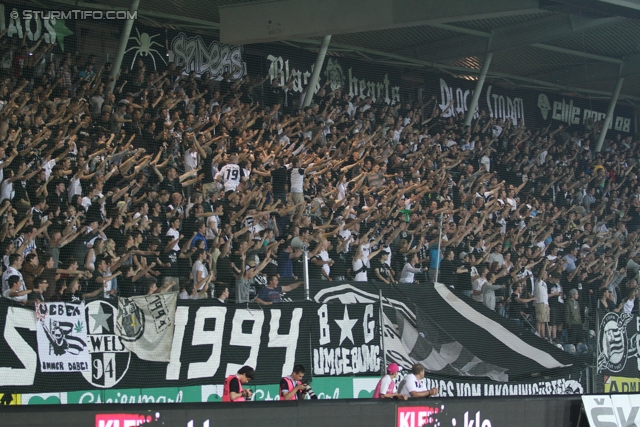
[{"x": 215, "y": 188}]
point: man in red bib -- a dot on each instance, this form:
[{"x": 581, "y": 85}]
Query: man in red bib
[
  {"x": 291, "y": 387},
  {"x": 233, "y": 391}
]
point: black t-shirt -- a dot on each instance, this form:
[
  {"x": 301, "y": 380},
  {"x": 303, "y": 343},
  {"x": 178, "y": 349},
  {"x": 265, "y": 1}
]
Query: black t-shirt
[
  {"x": 93, "y": 285},
  {"x": 172, "y": 186},
  {"x": 383, "y": 269},
  {"x": 224, "y": 273},
  {"x": 515, "y": 307},
  {"x": 36, "y": 296},
  {"x": 279, "y": 179},
  {"x": 234, "y": 385},
  {"x": 116, "y": 234},
  {"x": 315, "y": 271},
  {"x": 447, "y": 272},
  {"x": 53, "y": 198},
  {"x": 463, "y": 280},
  {"x": 67, "y": 297},
  {"x": 127, "y": 288},
  {"x": 339, "y": 267},
  {"x": 171, "y": 257}
]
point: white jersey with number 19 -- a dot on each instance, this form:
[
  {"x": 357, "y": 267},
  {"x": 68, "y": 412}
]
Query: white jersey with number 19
[{"x": 231, "y": 175}]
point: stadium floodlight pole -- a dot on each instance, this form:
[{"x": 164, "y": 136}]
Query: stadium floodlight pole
[
  {"x": 476, "y": 94},
  {"x": 313, "y": 81},
  {"x": 439, "y": 243},
  {"x": 609, "y": 117},
  {"x": 124, "y": 39},
  {"x": 305, "y": 272}
]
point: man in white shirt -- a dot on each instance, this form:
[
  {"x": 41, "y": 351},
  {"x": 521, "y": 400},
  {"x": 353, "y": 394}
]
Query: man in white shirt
[
  {"x": 541, "y": 294},
  {"x": 413, "y": 385},
  {"x": 174, "y": 234},
  {"x": 296, "y": 178},
  {"x": 496, "y": 256},
  {"x": 476, "y": 293},
  {"x": 230, "y": 174},
  {"x": 15, "y": 264}
]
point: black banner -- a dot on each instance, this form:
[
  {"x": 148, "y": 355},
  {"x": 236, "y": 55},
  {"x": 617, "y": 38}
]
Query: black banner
[
  {"x": 210, "y": 342},
  {"x": 454, "y": 96},
  {"x": 347, "y": 340},
  {"x": 156, "y": 48},
  {"x": 533, "y": 108},
  {"x": 356, "y": 78}
]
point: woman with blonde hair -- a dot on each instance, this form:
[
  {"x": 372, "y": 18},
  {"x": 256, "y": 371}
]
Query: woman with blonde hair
[{"x": 97, "y": 250}]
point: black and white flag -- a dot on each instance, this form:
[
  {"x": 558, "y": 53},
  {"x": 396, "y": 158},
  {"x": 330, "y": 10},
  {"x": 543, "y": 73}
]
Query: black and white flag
[
  {"x": 61, "y": 332},
  {"x": 146, "y": 324}
]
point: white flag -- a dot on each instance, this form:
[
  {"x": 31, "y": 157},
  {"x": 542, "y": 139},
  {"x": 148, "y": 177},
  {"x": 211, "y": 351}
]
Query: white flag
[
  {"x": 146, "y": 324},
  {"x": 61, "y": 331}
]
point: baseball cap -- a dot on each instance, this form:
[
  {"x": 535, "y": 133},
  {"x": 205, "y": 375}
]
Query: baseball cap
[{"x": 393, "y": 368}]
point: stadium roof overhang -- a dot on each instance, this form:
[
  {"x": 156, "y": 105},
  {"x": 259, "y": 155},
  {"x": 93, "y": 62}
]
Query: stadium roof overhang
[{"x": 579, "y": 46}]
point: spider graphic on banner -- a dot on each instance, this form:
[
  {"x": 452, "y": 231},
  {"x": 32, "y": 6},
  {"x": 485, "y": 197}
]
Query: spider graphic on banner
[{"x": 144, "y": 47}]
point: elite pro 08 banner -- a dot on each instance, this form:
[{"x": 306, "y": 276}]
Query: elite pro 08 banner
[{"x": 209, "y": 343}]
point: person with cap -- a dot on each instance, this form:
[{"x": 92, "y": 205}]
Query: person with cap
[
  {"x": 232, "y": 390},
  {"x": 387, "y": 387}
]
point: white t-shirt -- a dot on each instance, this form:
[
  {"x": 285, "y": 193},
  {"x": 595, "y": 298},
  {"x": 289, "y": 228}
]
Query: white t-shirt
[
  {"x": 324, "y": 255},
  {"x": 540, "y": 292},
  {"x": 411, "y": 383},
  {"x": 10, "y": 271},
  {"x": 190, "y": 160},
  {"x": 477, "y": 286},
  {"x": 357, "y": 265},
  {"x": 17, "y": 298},
  {"x": 75, "y": 187},
  {"x": 198, "y": 266},
  {"x": 342, "y": 190},
  {"x": 231, "y": 174},
  {"x": 175, "y": 234},
  {"x": 6, "y": 190},
  {"x": 297, "y": 180},
  {"x": 213, "y": 226}
]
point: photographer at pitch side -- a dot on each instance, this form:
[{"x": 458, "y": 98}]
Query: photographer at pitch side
[
  {"x": 292, "y": 388},
  {"x": 233, "y": 391}
]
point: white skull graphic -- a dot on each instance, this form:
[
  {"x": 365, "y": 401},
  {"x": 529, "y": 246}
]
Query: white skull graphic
[{"x": 544, "y": 105}]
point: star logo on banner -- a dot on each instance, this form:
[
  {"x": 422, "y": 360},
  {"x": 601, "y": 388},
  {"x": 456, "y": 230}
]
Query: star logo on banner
[
  {"x": 61, "y": 32},
  {"x": 100, "y": 319},
  {"x": 346, "y": 326}
]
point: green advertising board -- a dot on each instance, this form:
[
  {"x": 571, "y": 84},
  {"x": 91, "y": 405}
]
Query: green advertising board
[{"x": 323, "y": 387}]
